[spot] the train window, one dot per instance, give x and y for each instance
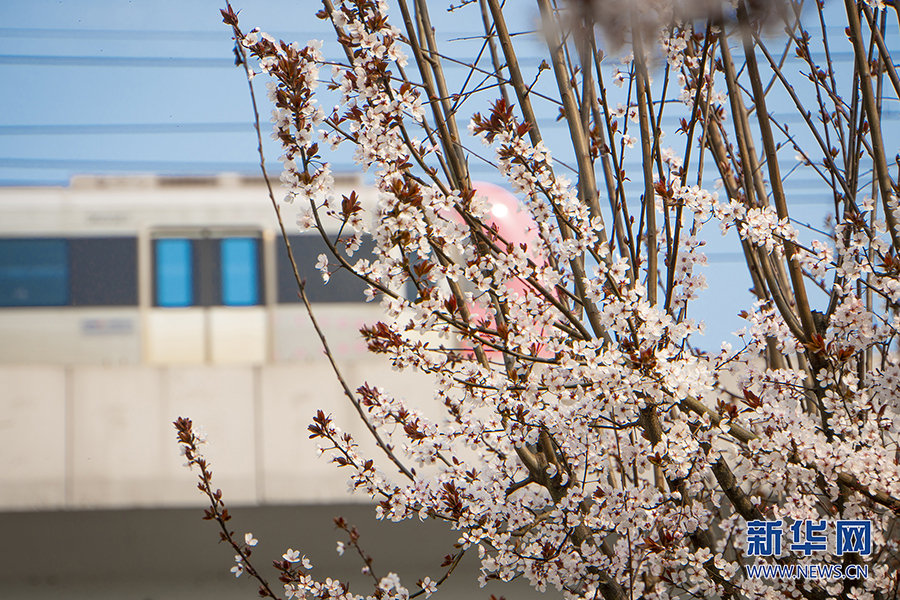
(34, 272)
(207, 271)
(68, 272)
(103, 271)
(240, 275)
(174, 267)
(341, 287)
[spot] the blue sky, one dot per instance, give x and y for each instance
(138, 86)
(123, 86)
(147, 86)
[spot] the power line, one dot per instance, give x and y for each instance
(221, 63)
(154, 35)
(124, 128)
(165, 34)
(115, 61)
(890, 114)
(45, 60)
(144, 166)
(80, 164)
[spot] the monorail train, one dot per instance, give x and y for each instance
(126, 302)
(164, 270)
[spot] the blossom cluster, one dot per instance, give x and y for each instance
(585, 443)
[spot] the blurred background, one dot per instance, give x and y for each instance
(127, 301)
(142, 279)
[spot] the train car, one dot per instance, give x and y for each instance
(164, 270)
(126, 302)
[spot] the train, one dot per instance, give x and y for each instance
(166, 270)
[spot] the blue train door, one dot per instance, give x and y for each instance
(208, 298)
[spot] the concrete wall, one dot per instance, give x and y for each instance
(88, 394)
(95, 502)
(95, 437)
(172, 554)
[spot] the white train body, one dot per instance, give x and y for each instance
(84, 273)
(126, 302)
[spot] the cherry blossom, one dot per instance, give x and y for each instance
(585, 443)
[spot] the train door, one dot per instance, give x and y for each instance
(207, 297)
